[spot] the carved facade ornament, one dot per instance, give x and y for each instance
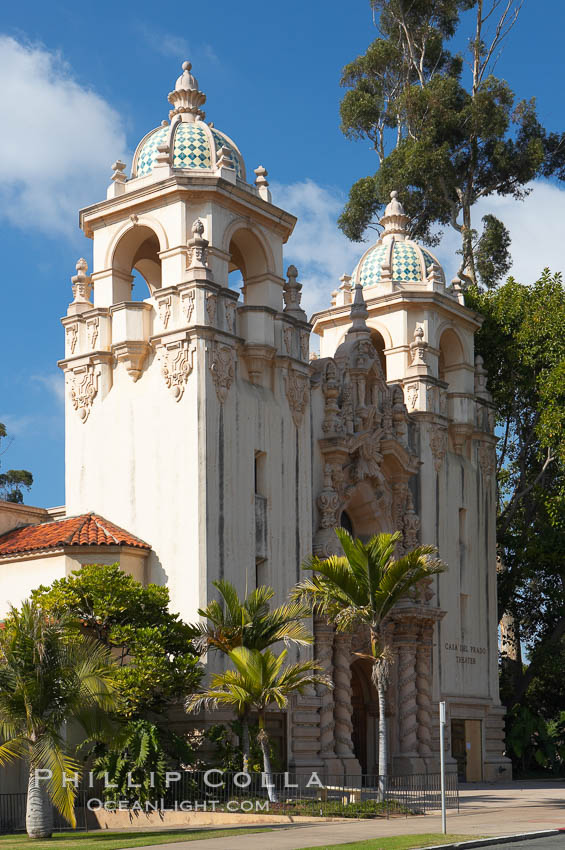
(328, 501)
(92, 330)
(165, 310)
(438, 445)
(83, 385)
(222, 367)
(81, 283)
(297, 390)
(176, 366)
(333, 419)
(292, 294)
(197, 247)
(72, 336)
(211, 302)
(418, 348)
(412, 393)
(305, 345)
(411, 525)
(187, 304)
(287, 337)
(487, 460)
(230, 309)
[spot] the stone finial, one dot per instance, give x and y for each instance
(292, 294)
(198, 246)
(186, 97)
(344, 292)
(118, 169)
(224, 159)
(435, 274)
(81, 283)
(395, 221)
(418, 347)
(262, 183)
(358, 312)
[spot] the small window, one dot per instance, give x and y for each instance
(346, 523)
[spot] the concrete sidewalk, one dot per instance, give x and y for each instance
(485, 810)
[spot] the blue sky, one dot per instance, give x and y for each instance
(80, 84)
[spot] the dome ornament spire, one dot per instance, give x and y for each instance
(395, 221)
(186, 97)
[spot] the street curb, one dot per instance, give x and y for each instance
(500, 839)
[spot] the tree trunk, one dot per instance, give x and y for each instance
(39, 809)
(245, 746)
(263, 739)
(383, 742)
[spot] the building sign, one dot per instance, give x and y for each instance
(467, 653)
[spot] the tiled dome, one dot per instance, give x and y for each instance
(403, 260)
(193, 145)
(410, 262)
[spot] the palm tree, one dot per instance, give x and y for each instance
(361, 588)
(50, 675)
(249, 622)
(258, 681)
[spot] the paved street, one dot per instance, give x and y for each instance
(554, 842)
(485, 810)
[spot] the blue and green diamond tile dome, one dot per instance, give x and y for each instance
(410, 262)
(194, 145)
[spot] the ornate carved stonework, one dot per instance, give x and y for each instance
(297, 391)
(211, 301)
(487, 460)
(176, 365)
(92, 329)
(287, 337)
(407, 697)
(424, 692)
(83, 386)
(324, 636)
(342, 694)
(197, 247)
(438, 445)
(305, 345)
(411, 525)
(165, 310)
(328, 501)
(230, 309)
(412, 393)
(187, 304)
(72, 336)
(418, 348)
(222, 367)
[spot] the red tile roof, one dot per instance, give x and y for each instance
(85, 530)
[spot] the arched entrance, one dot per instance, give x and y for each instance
(364, 715)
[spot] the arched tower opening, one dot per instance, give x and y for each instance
(451, 358)
(379, 345)
(248, 258)
(137, 254)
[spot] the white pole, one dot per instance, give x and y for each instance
(442, 763)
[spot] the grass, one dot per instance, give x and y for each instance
(115, 840)
(399, 842)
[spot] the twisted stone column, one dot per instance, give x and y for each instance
(342, 695)
(324, 637)
(423, 687)
(407, 698)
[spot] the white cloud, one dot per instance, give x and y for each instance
(317, 247)
(54, 383)
(58, 139)
(535, 225)
(322, 253)
(171, 44)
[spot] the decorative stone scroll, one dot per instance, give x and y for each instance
(187, 304)
(222, 367)
(176, 366)
(72, 336)
(165, 310)
(83, 386)
(230, 308)
(297, 391)
(92, 330)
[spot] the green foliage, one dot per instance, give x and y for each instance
(442, 142)
(533, 743)
(157, 662)
(229, 755)
(363, 585)
(14, 481)
(50, 676)
(249, 622)
(139, 756)
(523, 346)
